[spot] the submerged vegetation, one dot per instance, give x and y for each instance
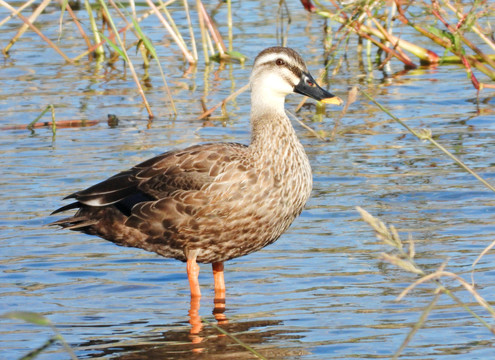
(457, 32)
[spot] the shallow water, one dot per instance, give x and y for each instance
(320, 291)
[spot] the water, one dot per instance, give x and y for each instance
(321, 291)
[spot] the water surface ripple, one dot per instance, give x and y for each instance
(320, 292)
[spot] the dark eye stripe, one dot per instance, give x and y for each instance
(292, 68)
(289, 81)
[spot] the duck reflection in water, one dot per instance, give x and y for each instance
(195, 318)
(173, 341)
(213, 202)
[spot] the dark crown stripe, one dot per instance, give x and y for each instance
(293, 61)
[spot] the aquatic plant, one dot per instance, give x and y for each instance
(119, 40)
(450, 26)
(40, 320)
(375, 23)
(403, 256)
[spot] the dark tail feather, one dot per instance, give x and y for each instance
(74, 205)
(74, 223)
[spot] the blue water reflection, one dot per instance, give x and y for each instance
(320, 292)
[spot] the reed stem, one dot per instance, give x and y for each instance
(426, 134)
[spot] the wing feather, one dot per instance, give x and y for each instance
(158, 177)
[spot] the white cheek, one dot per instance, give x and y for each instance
(277, 84)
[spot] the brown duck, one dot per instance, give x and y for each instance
(214, 202)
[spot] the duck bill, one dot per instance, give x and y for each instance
(308, 87)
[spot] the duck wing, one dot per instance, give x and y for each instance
(158, 177)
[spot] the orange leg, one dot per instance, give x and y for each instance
(192, 274)
(195, 320)
(219, 300)
(218, 278)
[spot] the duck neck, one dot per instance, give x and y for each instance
(276, 150)
(270, 126)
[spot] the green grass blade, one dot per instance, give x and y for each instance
(63, 6)
(417, 325)
(54, 125)
(146, 42)
(34, 353)
(149, 46)
(29, 317)
(124, 54)
(243, 344)
(99, 52)
(114, 46)
(425, 134)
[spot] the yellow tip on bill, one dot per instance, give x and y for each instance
(332, 100)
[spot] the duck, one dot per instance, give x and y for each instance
(213, 202)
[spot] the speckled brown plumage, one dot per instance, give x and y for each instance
(213, 202)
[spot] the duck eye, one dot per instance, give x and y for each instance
(310, 83)
(279, 62)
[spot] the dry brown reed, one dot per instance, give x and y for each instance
(450, 26)
(404, 256)
(108, 33)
